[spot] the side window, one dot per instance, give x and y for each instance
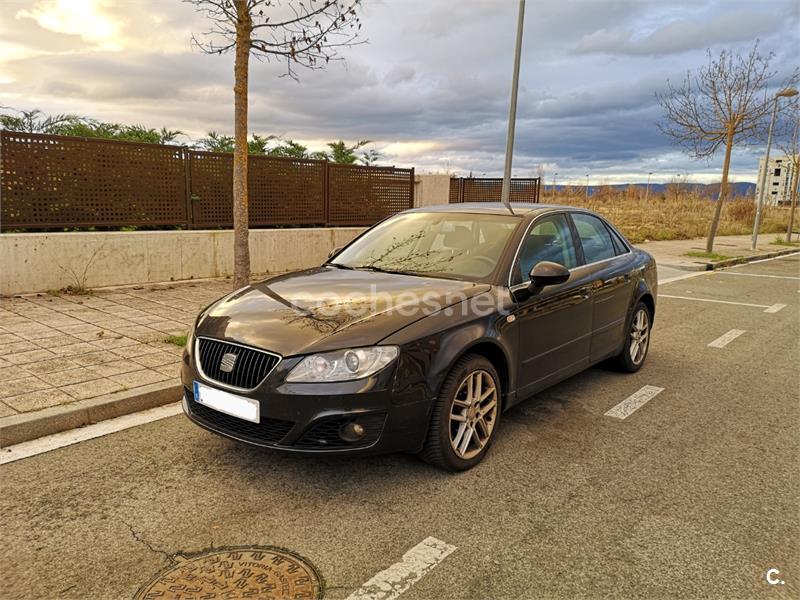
(595, 238)
(619, 246)
(549, 239)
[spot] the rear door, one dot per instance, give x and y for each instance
(608, 263)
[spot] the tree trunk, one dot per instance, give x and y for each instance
(241, 243)
(723, 192)
(795, 182)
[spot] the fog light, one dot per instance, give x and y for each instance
(352, 432)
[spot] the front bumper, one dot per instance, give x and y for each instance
(308, 418)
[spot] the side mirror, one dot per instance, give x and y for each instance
(334, 252)
(548, 273)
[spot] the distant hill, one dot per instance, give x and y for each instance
(738, 189)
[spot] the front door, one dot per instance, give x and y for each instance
(555, 322)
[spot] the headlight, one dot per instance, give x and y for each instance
(343, 365)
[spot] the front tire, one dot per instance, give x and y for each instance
(637, 340)
(465, 417)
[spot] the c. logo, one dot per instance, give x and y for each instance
(772, 577)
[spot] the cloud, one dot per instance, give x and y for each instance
(682, 35)
(430, 88)
(84, 18)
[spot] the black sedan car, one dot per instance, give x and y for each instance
(418, 334)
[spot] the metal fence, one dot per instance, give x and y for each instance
(56, 182)
(472, 189)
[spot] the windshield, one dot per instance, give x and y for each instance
(452, 245)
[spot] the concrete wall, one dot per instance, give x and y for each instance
(36, 262)
(431, 189)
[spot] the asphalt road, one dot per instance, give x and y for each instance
(696, 494)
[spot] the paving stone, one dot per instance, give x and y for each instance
(92, 389)
(72, 349)
(139, 378)
(99, 334)
(79, 375)
(32, 401)
(131, 351)
(80, 328)
(12, 372)
(17, 347)
(113, 343)
(171, 371)
(59, 341)
(94, 358)
(6, 411)
(38, 333)
(50, 366)
(9, 338)
(115, 367)
(156, 359)
(20, 386)
(141, 333)
(22, 358)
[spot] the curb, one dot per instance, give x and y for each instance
(729, 262)
(29, 426)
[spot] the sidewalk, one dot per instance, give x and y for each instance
(62, 353)
(734, 248)
(58, 350)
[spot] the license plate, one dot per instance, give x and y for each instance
(230, 404)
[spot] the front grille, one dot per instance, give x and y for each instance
(325, 434)
(249, 370)
(268, 431)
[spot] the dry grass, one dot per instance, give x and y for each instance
(672, 216)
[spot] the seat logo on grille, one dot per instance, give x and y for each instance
(228, 362)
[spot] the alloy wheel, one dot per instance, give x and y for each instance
(640, 336)
(473, 414)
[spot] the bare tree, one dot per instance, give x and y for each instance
(304, 34)
(722, 103)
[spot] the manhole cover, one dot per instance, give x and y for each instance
(238, 572)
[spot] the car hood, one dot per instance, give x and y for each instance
(327, 308)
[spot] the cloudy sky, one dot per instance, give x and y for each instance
(430, 88)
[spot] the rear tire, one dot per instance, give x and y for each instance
(637, 340)
(465, 416)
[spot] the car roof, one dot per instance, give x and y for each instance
(493, 208)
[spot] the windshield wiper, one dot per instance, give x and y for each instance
(338, 266)
(379, 270)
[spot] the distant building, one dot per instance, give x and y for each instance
(779, 181)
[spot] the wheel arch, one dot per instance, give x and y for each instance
(647, 299)
(495, 354)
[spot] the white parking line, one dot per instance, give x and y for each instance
(682, 277)
(726, 339)
(774, 308)
(756, 275)
(634, 402)
(396, 579)
(74, 436)
(771, 308)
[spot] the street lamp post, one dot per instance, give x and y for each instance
(647, 189)
(505, 195)
(587, 185)
(787, 93)
(555, 174)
